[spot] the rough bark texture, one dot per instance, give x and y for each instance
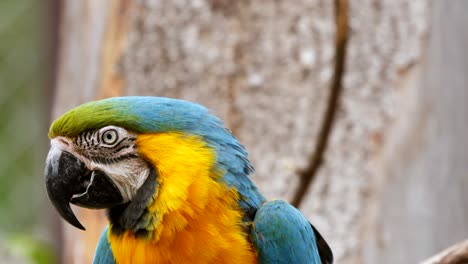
(385, 40)
(264, 67)
(422, 204)
(268, 69)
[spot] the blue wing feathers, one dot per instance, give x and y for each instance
(281, 234)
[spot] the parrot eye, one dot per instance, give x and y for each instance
(110, 136)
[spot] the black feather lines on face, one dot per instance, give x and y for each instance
(89, 145)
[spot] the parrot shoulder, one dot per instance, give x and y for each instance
(281, 234)
(104, 253)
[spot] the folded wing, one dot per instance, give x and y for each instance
(281, 234)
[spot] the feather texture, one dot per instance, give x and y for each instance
(204, 209)
(145, 114)
(103, 253)
(282, 235)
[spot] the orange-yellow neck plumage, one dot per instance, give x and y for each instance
(194, 218)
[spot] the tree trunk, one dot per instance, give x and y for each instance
(422, 204)
(327, 96)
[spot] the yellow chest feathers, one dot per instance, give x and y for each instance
(193, 218)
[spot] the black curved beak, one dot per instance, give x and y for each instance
(69, 180)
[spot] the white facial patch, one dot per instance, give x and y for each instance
(128, 175)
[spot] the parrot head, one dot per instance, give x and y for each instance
(96, 159)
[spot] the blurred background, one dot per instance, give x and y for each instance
(25, 235)
(353, 110)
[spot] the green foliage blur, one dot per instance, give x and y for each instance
(24, 212)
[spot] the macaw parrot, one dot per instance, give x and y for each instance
(175, 185)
